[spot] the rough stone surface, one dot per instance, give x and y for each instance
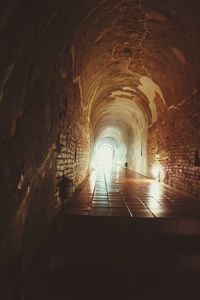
(172, 143)
(30, 42)
(73, 148)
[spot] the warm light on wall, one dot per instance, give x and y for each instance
(157, 156)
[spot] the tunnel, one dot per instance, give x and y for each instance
(79, 78)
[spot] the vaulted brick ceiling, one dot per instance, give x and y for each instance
(129, 60)
(134, 60)
(146, 52)
(128, 49)
(138, 45)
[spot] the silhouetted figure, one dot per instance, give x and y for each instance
(126, 165)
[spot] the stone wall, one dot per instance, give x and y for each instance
(172, 143)
(29, 113)
(33, 34)
(73, 147)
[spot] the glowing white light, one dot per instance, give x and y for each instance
(93, 178)
(106, 155)
(155, 190)
(156, 171)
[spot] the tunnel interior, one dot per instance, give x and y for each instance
(105, 154)
(79, 75)
(122, 121)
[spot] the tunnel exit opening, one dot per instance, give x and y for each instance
(106, 155)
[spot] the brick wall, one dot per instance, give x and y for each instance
(172, 143)
(73, 148)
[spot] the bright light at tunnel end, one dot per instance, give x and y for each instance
(105, 155)
(156, 172)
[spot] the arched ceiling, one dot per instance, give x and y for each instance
(119, 118)
(135, 50)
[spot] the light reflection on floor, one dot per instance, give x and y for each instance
(116, 191)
